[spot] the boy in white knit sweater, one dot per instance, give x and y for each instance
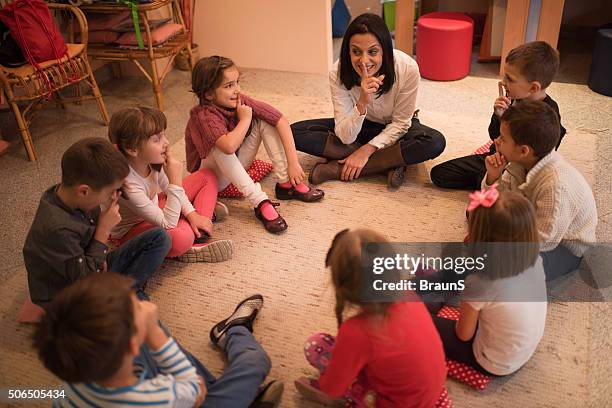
(526, 161)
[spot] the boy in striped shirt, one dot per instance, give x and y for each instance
(110, 349)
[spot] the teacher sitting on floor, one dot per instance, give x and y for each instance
(375, 126)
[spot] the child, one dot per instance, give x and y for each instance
(503, 308)
(224, 133)
(139, 134)
(525, 161)
(528, 72)
(110, 349)
(68, 238)
(392, 349)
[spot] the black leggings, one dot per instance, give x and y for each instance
(462, 173)
(419, 144)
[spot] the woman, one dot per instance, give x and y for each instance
(375, 126)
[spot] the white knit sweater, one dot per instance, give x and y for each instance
(565, 207)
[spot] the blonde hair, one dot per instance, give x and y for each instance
(344, 260)
(510, 220)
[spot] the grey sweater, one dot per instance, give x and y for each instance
(564, 203)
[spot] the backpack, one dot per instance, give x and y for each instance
(34, 29)
(10, 53)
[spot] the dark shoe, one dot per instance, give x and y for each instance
(274, 226)
(269, 396)
(322, 172)
(395, 177)
(314, 194)
(243, 315)
(308, 388)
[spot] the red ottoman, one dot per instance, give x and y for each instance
(444, 45)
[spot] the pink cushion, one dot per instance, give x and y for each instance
(258, 170)
(29, 312)
(459, 371)
(484, 148)
(158, 36)
(444, 401)
(97, 22)
(102, 37)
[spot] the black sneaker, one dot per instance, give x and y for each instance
(269, 396)
(243, 315)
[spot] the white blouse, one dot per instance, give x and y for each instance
(142, 202)
(393, 109)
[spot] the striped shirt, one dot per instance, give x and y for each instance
(176, 386)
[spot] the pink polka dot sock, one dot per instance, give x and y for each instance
(268, 211)
(302, 188)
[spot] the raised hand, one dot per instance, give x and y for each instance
(243, 112)
(495, 165)
(173, 169)
(111, 216)
(369, 86)
(502, 102)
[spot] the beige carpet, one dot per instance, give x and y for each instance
(569, 368)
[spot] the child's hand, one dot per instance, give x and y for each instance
(502, 102)
(369, 86)
(199, 222)
(154, 336)
(173, 169)
(295, 173)
(243, 112)
(203, 391)
(109, 218)
(495, 165)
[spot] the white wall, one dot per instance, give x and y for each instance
(283, 35)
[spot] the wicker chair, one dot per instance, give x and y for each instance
(23, 91)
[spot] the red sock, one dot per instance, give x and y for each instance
(302, 188)
(268, 211)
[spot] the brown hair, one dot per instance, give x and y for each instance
(94, 162)
(535, 124)
(86, 331)
(129, 128)
(510, 222)
(536, 61)
(344, 259)
(207, 75)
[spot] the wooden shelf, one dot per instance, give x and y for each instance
(169, 50)
(112, 8)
